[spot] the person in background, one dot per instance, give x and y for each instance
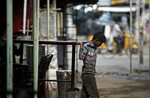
(118, 36)
(88, 54)
(147, 32)
(3, 49)
(124, 23)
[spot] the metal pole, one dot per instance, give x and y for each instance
(55, 15)
(9, 48)
(48, 37)
(61, 24)
(48, 23)
(137, 19)
(76, 74)
(48, 20)
(130, 36)
(138, 27)
(58, 24)
(24, 16)
(149, 41)
(143, 14)
(73, 66)
(73, 70)
(38, 17)
(28, 27)
(35, 48)
(141, 36)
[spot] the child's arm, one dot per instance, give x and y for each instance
(82, 51)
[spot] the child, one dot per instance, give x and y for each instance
(87, 53)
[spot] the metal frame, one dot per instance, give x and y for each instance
(73, 43)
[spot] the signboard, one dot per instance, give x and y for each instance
(146, 1)
(119, 1)
(104, 2)
(127, 1)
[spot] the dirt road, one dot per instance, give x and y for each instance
(113, 87)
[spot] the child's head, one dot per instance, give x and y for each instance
(98, 39)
